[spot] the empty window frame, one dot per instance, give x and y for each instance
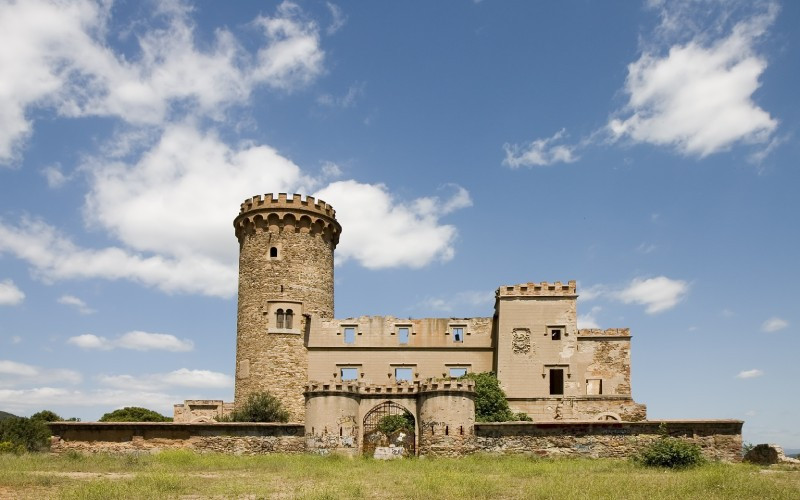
(349, 334)
(458, 371)
(402, 334)
(556, 381)
(458, 334)
(279, 318)
(404, 373)
(273, 253)
(348, 373)
(288, 319)
(555, 332)
(594, 387)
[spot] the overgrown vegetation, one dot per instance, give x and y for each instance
(670, 452)
(183, 474)
(259, 407)
(20, 434)
(4, 415)
(491, 404)
(134, 414)
(391, 423)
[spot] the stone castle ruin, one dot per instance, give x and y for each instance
(340, 378)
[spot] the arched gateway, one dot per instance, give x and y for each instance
(391, 427)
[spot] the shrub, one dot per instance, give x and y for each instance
(259, 407)
(490, 400)
(134, 414)
(670, 452)
(46, 416)
(9, 447)
(24, 433)
(392, 423)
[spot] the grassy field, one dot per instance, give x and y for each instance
(182, 474)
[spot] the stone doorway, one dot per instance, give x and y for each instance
(389, 431)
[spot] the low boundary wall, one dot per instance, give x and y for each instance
(718, 439)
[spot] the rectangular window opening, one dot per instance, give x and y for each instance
(349, 335)
(458, 334)
(402, 334)
(404, 374)
(457, 371)
(555, 333)
(556, 381)
(349, 373)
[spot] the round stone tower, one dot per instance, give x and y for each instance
(285, 278)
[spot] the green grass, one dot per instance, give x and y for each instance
(183, 474)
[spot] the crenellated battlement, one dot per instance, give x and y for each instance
(608, 332)
(429, 385)
(271, 213)
(269, 201)
(543, 289)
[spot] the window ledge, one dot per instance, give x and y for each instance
(284, 331)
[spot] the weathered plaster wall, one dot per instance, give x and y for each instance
(583, 408)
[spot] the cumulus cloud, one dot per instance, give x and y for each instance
(55, 55)
(135, 340)
(20, 401)
(750, 373)
(589, 319)
(697, 97)
(383, 232)
(10, 295)
(540, 152)
(656, 294)
(80, 305)
(182, 377)
(15, 374)
(774, 324)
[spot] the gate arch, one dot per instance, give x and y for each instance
(375, 437)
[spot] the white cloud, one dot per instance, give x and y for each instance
(345, 101)
(467, 299)
(20, 401)
(589, 319)
(697, 97)
(382, 232)
(10, 295)
(182, 377)
(77, 303)
(539, 152)
(55, 56)
(750, 373)
(338, 19)
(657, 294)
(15, 374)
(135, 340)
(592, 292)
(54, 176)
(646, 248)
(774, 324)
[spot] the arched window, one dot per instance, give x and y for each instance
(273, 252)
(279, 318)
(288, 322)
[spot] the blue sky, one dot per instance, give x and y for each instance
(646, 150)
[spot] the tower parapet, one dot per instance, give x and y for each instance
(301, 215)
(543, 289)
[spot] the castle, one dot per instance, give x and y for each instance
(340, 376)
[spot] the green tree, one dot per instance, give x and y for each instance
(391, 423)
(490, 400)
(24, 434)
(259, 407)
(134, 414)
(46, 416)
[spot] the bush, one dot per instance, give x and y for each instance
(46, 416)
(24, 434)
(259, 407)
(9, 447)
(392, 423)
(134, 414)
(490, 400)
(670, 452)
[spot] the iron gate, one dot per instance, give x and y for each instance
(374, 437)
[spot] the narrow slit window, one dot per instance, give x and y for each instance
(402, 334)
(349, 335)
(403, 374)
(349, 373)
(556, 381)
(273, 252)
(288, 320)
(279, 318)
(458, 334)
